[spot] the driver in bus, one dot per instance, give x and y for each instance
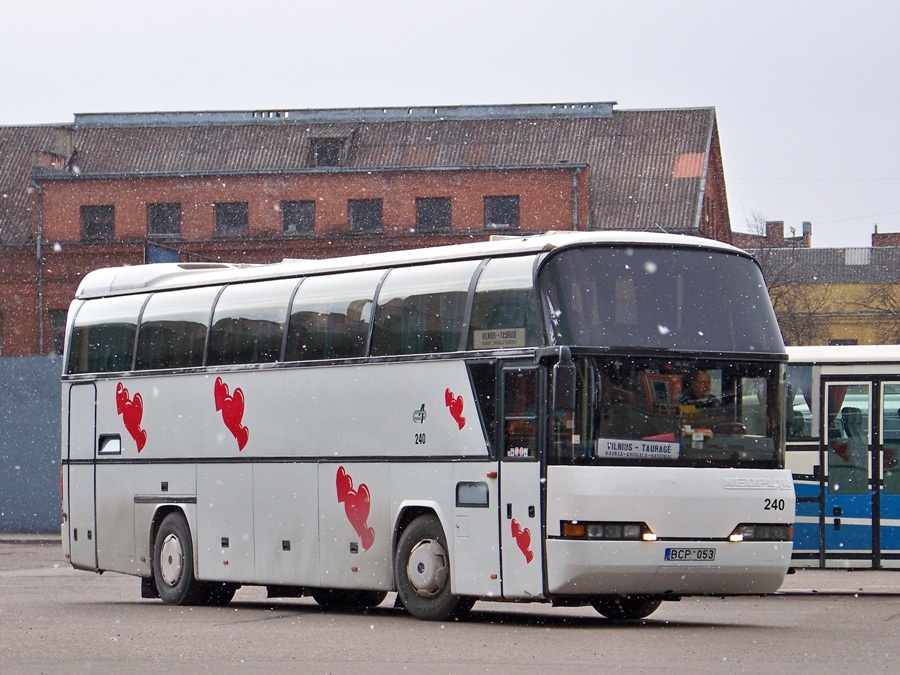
(698, 391)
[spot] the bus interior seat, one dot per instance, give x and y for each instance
(852, 419)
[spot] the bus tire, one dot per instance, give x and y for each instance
(173, 563)
(340, 598)
(422, 572)
(626, 607)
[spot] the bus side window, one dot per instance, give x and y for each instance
(248, 323)
(484, 383)
(520, 413)
(331, 315)
(103, 335)
(173, 329)
(506, 312)
(421, 310)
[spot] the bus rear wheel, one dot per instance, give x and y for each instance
(627, 607)
(422, 572)
(173, 564)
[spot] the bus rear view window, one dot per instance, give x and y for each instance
(103, 335)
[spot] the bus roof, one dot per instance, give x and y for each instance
(158, 276)
(844, 354)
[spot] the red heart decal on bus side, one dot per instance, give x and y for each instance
(357, 504)
(455, 406)
(232, 408)
(132, 412)
(523, 539)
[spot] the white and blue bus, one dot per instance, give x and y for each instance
(506, 420)
(843, 446)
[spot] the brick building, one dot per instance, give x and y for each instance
(885, 238)
(252, 187)
(773, 237)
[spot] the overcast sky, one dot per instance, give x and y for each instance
(806, 93)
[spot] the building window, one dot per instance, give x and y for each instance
(98, 222)
(298, 217)
(433, 214)
(501, 213)
(58, 329)
(154, 253)
(326, 151)
(365, 215)
(231, 219)
(164, 220)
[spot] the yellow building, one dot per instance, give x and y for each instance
(828, 296)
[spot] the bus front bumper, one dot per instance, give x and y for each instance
(583, 567)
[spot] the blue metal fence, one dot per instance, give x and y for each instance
(29, 444)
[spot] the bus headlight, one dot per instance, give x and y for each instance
(768, 532)
(574, 529)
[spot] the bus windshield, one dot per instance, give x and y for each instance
(664, 298)
(671, 412)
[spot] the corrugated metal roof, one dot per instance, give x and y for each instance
(20, 149)
(632, 155)
(347, 115)
(877, 265)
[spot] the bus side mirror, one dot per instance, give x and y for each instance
(564, 376)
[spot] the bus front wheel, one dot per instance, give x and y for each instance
(627, 607)
(422, 572)
(173, 563)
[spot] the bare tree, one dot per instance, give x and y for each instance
(798, 306)
(883, 301)
(800, 309)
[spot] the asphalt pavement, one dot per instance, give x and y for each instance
(802, 581)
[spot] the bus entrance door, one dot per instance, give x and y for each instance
(889, 465)
(521, 533)
(80, 510)
(848, 493)
(862, 491)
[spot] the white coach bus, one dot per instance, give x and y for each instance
(507, 420)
